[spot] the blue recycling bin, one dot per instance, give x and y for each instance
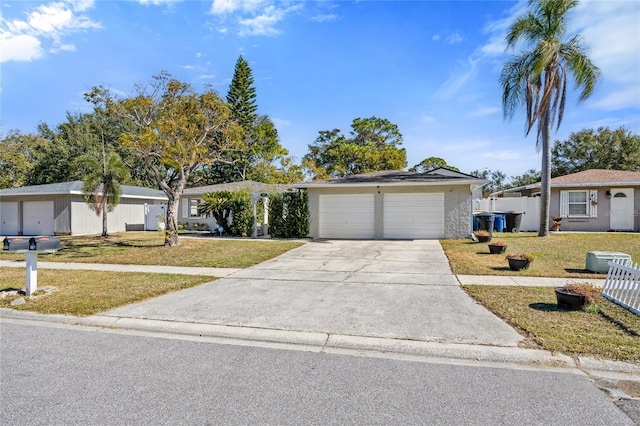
(475, 223)
(499, 222)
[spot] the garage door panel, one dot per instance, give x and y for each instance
(416, 215)
(37, 218)
(8, 218)
(346, 216)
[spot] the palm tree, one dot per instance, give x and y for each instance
(101, 186)
(537, 77)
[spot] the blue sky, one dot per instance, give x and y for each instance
(431, 67)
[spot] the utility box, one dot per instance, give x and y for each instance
(44, 243)
(15, 244)
(597, 260)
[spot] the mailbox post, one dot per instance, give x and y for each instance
(31, 247)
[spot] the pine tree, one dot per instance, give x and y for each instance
(242, 95)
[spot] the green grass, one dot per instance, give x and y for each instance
(90, 292)
(147, 248)
(610, 333)
(560, 255)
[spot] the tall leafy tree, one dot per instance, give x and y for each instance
(537, 77)
(430, 164)
(496, 180)
(18, 155)
(374, 145)
(597, 149)
(242, 95)
(527, 178)
(174, 131)
(102, 183)
(261, 158)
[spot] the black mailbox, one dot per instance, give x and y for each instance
(44, 243)
(15, 243)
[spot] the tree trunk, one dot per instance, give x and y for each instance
(545, 185)
(171, 230)
(104, 221)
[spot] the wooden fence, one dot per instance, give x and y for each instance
(622, 285)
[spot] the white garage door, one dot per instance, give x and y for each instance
(346, 216)
(37, 218)
(414, 215)
(9, 218)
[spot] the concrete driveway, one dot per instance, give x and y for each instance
(390, 289)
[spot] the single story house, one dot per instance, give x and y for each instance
(60, 209)
(392, 205)
(192, 197)
(592, 200)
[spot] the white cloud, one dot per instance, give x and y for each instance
(436, 37)
(325, 18)
(502, 156)
(252, 17)
(427, 119)
(20, 48)
(484, 111)
(280, 123)
(22, 40)
(458, 78)
(221, 7)
(454, 38)
(611, 31)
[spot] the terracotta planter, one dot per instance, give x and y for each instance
(518, 264)
(569, 300)
(494, 249)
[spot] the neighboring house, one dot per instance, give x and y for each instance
(392, 205)
(591, 200)
(59, 209)
(192, 197)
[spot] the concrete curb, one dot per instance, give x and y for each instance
(342, 344)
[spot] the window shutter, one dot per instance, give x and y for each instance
(185, 208)
(564, 203)
(593, 205)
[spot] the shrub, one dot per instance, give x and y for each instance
(481, 233)
(223, 205)
(588, 290)
(289, 215)
(501, 243)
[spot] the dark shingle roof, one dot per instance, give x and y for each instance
(75, 187)
(440, 175)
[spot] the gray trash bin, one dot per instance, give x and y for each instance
(514, 221)
(485, 222)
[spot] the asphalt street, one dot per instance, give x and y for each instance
(69, 375)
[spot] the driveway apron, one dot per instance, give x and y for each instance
(390, 289)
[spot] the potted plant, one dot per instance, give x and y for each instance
(557, 221)
(576, 296)
(497, 246)
(482, 236)
(519, 261)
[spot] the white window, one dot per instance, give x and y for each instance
(579, 203)
(193, 207)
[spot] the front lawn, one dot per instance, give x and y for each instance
(610, 332)
(559, 255)
(90, 292)
(147, 248)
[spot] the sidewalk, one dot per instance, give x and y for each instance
(501, 280)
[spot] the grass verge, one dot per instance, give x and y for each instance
(83, 293)
(610, 333)
(147, 248)
(559, 255)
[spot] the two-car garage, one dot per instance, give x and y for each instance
(404, 216)
(392, 205)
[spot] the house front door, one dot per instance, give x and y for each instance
(621, 212)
